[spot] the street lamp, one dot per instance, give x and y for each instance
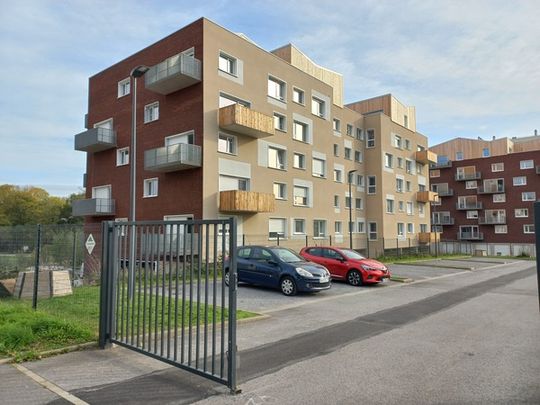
(349, 176)
(137, 72)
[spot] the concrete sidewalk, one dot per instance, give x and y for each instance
(119, 375)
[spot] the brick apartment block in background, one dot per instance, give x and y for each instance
(226, 128)
(487, 190)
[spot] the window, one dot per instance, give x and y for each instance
(497, 167)
(501, 229)
(359, 134)
(397, 141)
(358, 156)
(300, 131)
(410, 210)
(280, 122)
(300, 196)
(227, 64)
(419, 168)
(299, 161)
(401, 206)
(370, 138)
(338, 175)
(227, 100)
(349, 130)
(389, 206)
(388, 160)
(276, 88)
(150, 187)
(471, 184)
(299, 226)
(280, 191)
(499, 198)
(399, 185)
(529, 228)
(319, 228)
(400, 162)
(336, 150)
(348, 153)
(338, 227)
(336, 201)
(359, 180)
(336, 125)
(123, 87)
(233, 183)
(521, 212)
(358, 204)
(528, 196)
(318, 167)
(526, 164)
(434, 173)
(459, 155)
(408, 186)
(520, 181)
(410, 228)
(472, 214)
(151, 112)
(421, 208)
(485, 152)
(408, 166)
(372, 184)
(298, 96)
(407, 144)
(277, 227)
(372, 226)
(227, 144)
(360, 227)
(317, 107)
(122, 157)
(276, 158)
(400, 229)
(348, 202)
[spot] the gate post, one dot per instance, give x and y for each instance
(233, 286)
(106, 287)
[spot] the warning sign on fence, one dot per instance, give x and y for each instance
(90, 244)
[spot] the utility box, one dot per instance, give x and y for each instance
(480, 252)
(50, 284)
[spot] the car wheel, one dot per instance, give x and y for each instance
(354, 278)
(287, 286)
(226, 277)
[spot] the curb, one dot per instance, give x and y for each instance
(399, 279)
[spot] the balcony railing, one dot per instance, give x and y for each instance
(470, 236)
(468, 176)
(93, 207)
(445, 193)
(95, 140)
(494, 189)
(492, 220)
(246, 201)
(469, 206)
(426, 156)
(442, 165)
(181, 156)
(244, 120)
(428, 237)
(426, 196)
(173, 74)
(442, 221)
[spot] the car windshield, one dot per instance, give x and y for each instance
(287, 256)
(351, 254)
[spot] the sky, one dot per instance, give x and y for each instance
(471, 68)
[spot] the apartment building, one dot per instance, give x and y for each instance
(487, 200)
(226, 128)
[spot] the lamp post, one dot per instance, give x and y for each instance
(349, 175)
(137, 72)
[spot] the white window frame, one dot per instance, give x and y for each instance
(231, 66)
(398, 142)
(122, 156)
(338, 227)
(370, 138)
(301, 99)
(303, 135)
(521, 212)
(497, 167)
(471, 184)
(336, 125)
(358, 158)
(500, 229)
(349, 130)
(280, 122)
(359, 134)
(299, 221)
(473, 214)
(317, 224)
(315, 161)
(282, 190)
(526, 164)
(301, 159)
(499, 198)
(296, 201)
(283, 226)
(400, 229)
(372, 188)
(124, 87)
(528, 228)
(347, 153)
(388, 160)
(519, 181)
(226, 139)
(151, 112)
(150, 192)
(277, 88)
(279, 164)
(338, 175)
(526, 193)
(318, 107)
(372, 233)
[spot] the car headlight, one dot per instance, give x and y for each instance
(304, 273)
(366, 267)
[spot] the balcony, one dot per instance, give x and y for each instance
(442, 221)
(468, 176)
(470, 236)
(426, 196)
(93, 207)
(173, 74)
(469, 206)
(425, 157)
(428, 237)
(246, 201)
(244, 120)
(181, 156)
(95, 140)
(442, 165)
(445, 193)
(491, 189)
(492, 220)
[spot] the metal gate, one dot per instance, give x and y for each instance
(163, 293)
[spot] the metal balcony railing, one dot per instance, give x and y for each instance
(469, 206)
(491, 220)
(442, 221)
(491, 189)
(95, 140)
(93, 207)
(173, 74)
(445, 193)
(468, 176)
(171, 158)
(470, 236)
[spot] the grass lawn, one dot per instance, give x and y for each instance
(74, 319)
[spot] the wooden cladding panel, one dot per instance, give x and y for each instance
(246, 201)
(428, 237)
(244, 120)
(426, 156)
(426, 196)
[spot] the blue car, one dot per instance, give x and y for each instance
(277, 267)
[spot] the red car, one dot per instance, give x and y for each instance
(347, 264)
